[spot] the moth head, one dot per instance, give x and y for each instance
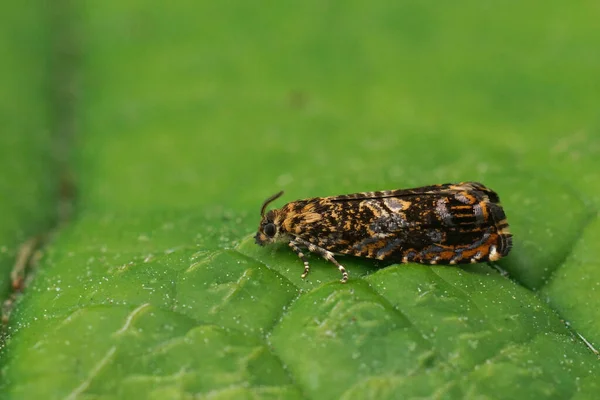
(268, 230)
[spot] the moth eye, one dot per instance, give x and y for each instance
(270, 230)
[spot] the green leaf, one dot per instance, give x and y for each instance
(28, 178)
(190, 114)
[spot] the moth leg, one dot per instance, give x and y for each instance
(500, 270)
(325, 254)
(300, 254)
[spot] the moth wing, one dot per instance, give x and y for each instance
(439, 220)
(433, 190)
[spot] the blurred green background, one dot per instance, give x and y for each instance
(165, 125)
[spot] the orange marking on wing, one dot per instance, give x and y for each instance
(311, 217)
(484, 210)
(470, 197)
(447, 255)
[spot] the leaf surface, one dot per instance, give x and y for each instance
(191, 114)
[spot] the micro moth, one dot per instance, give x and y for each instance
(439, 224)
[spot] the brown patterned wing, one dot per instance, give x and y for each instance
(440, 224)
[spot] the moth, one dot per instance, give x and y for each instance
(439, 224)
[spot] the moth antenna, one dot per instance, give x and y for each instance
(269, 200)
